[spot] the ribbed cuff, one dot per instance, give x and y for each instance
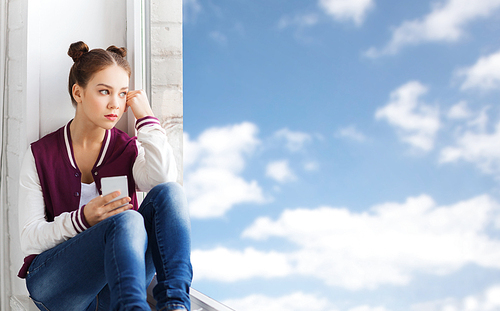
(147, 121)
(78, 219)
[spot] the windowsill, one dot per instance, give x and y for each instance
(22, 303)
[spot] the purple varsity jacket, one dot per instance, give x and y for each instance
(60, 178)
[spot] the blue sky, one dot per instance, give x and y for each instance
(343, 155)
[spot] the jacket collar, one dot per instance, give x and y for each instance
(69, 146)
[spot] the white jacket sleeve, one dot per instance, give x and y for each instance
(38, 234)
(155, 162)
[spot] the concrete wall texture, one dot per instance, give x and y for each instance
(24, 121)
(166, 71)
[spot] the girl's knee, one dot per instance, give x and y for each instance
(170, 189)
(170, 193)
(129, 217)
(128, 234)
(129, 221)
(170, 196)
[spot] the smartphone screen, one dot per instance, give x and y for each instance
(112, 184)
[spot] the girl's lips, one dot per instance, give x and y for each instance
(111, 117)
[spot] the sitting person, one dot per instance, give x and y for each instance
(84, 250)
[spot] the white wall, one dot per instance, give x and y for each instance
(166, 72)
(60, 23)
(4, 268)
(14, 141)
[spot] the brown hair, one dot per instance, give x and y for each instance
(87, 63)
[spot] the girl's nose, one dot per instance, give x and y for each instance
(114, 103)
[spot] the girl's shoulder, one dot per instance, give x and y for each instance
(120, 136)
(51, 138)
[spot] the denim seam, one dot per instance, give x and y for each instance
(160, 242)
(118, 276)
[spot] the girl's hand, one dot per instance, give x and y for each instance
(138, 102)
(100, 208)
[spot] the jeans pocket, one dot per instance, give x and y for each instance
(39, 305)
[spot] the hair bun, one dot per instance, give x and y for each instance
(120, 51)
(77, 49)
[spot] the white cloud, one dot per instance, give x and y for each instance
(212, 167)
(212, 192)
(483, 75)
(480, 121)
(311, 166)
(297, 301)
(293, 302)
(388, 244)
(232, 265)
(368, 308)
(280, 171)
(218, 37)
(347, 10)
(190, 10)
(295, 140)
(351, 132)
(445, 23)
(459, 111)
(489, 300)
(416, 122)
(478, 147)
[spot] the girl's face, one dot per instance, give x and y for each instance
(103, 100)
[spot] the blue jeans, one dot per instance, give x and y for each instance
(109, 266)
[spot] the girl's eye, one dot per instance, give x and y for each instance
(123, 94)
(104, 92)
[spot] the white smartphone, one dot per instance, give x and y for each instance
(112, 184)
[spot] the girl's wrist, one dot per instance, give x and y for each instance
(142, 112)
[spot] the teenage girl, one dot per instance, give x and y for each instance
(83, 250)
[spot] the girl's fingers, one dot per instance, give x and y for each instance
(119, 210)
(101, 207)
(115, 204)
(133, 94)
(105, 199)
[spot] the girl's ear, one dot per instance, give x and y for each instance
(77, 93)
